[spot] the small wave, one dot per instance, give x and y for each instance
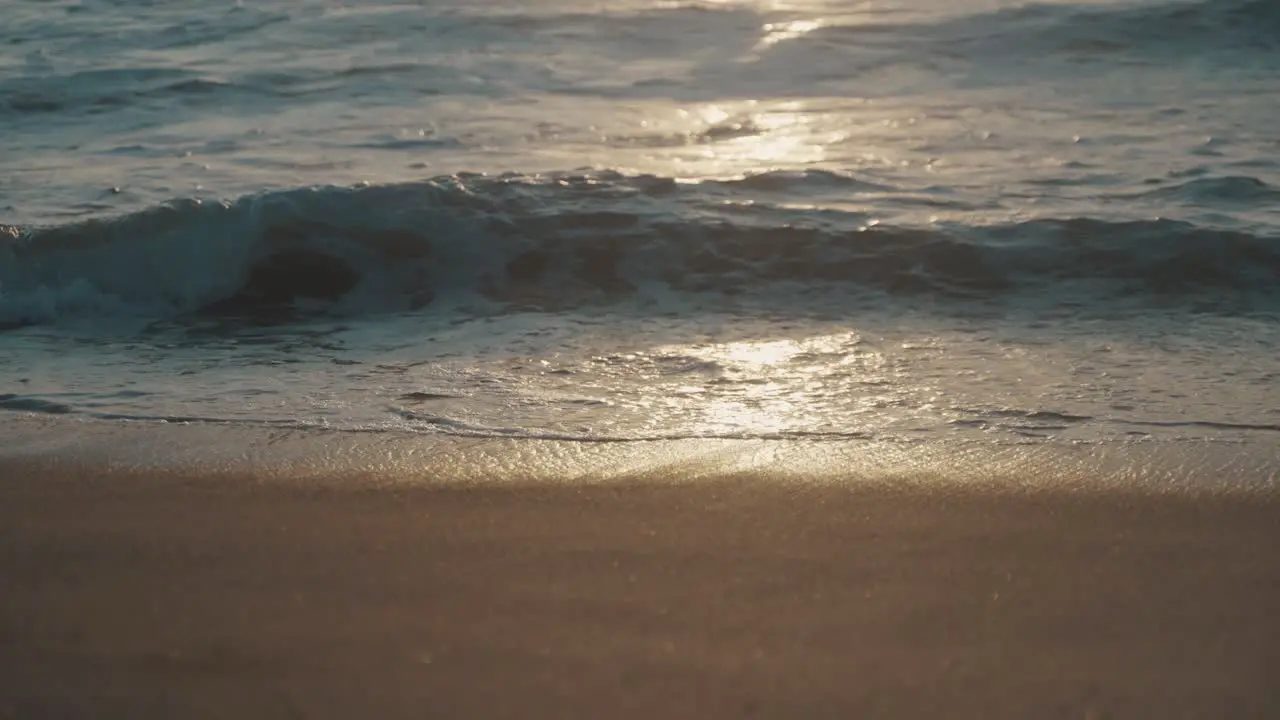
(19, 403)
(100, 90)
(1210, 424)
(423, 396)
(1164, 29)
(401, 144)
(424, 423)
(781, 181)
(1153, 33)
(1032, 415)
(1035, 420)
(563, 240)
(1233, 190)
(458, 428)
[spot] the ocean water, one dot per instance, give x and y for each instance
(901, 235)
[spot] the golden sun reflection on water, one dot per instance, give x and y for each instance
(764, 356)
(728, 140)
(775, 33)
(757, 355)
(774, 386)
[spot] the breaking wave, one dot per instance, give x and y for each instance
(559, 241)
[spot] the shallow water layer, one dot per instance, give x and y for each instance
(647, 375)
(988, 222)
(46, 449)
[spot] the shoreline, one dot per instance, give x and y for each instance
(155, 595)
(226, 453)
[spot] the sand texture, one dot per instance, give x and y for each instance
(159, 598)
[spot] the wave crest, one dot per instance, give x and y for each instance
(559, 241)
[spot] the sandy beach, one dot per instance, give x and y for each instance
(158, 597)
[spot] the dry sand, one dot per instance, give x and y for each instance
(166, 598)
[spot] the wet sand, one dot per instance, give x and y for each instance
(165, 597)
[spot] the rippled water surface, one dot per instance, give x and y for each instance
(1006, 222)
